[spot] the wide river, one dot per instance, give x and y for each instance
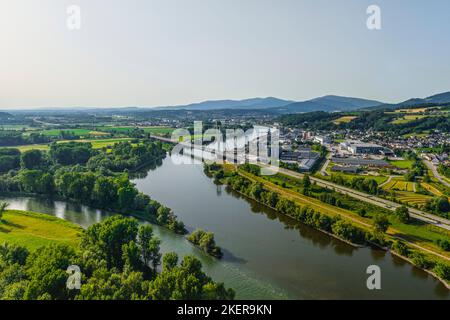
(267, 256)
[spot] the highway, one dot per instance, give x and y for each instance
(436, 173)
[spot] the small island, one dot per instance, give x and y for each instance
(205, 241)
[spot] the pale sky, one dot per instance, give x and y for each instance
(169, 52)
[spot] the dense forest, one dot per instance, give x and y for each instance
(118, 260)
(98, 178)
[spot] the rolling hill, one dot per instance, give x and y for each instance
(437, 98)
(329, 103)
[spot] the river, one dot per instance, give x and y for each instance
(267, 255)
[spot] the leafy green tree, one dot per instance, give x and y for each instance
(46, 269)
(3, 207)
(170, 261)
(109, 238)
(442, 270)
(402, 214)
(362, 212)
(381, 223)
(32, 159)
(306, 181)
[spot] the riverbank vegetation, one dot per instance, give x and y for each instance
(98, 178)
(118, 260)
(337, 214)
(205, 241)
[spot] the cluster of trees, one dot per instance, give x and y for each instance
(418, 169)
(367, 185)
(402, 214)
(118, 260)
(3, 207)
(126, 156)
(205, 241)
(15, 137)
(9, 159)
(438, 206)
(71, 153)
(444, 170)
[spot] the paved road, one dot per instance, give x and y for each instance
(383, 203)
(323, 171)
(436, 173)
(386, 182)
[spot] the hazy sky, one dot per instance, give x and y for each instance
(167, 52)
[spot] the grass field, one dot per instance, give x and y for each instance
(33, 230)
(125, 130)
(344, 119)
(77, 132)
(402, 164)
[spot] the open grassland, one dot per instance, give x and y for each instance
(344, 119)
(402, 164)
(33, 230)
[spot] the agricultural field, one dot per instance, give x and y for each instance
(18, 127)
(414, 110)
(128, 129)
(408, 118)
(77, 132)
(34, 230)
(400, 185)
(412, 199)
(344, 119)
(432, 189)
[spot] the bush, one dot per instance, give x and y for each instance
(442, 270)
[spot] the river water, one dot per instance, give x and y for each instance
(267, 256)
